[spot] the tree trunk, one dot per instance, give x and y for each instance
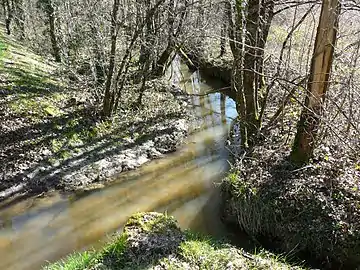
(318, 83)
(107, 108)
(223, 31)
(50, 13)
(147, 34)
(19, 17)
(163, 60)
(223, 39)
(8, 15)
(253, 21)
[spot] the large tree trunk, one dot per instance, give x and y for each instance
(318, 83)
(253, 21)
(223, 38)
(147, 34)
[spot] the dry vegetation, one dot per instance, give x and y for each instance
(311, 209)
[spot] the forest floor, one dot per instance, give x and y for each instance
(51, 136)
(154, 241)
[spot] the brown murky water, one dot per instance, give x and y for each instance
(39, 230)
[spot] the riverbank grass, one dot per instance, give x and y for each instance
(154, 241)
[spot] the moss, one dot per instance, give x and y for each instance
(148, 243)
(155, 223)
(35, 108)
(65, 154)
(278, 34)
(57, 145)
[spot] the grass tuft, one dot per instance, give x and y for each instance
(137, 248)
(77, 261)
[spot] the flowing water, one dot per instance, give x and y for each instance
(38, 230)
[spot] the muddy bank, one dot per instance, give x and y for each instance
(72, 160)
(53, 138)
(155, 241)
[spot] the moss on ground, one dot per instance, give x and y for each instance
(154, 241)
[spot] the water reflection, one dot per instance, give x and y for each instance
(39, 230)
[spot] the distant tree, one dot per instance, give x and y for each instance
(174, 31)
(48, 8)
(19, 17)
(8, 12)
(318, 82)
(114, 87)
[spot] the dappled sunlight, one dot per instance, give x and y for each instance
(182, 184)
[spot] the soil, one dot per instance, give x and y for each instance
(52, 137)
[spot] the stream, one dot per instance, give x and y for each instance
(41, 230)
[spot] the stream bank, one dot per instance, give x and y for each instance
(311, 212)
(155, 241)
(219, 68)
(89, 217)
(51, 136)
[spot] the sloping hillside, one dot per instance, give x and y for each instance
(52, 136)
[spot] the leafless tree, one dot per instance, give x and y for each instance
(318, 83)
(248, 38)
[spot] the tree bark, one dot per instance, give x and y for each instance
(8, 10)
(50, 13)
(223, 33)
(19, 17)
(172, 36)
(253, 21)
(107, 110)
(308, 125)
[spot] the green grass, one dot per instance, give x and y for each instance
(3, 49)
(74, 262)
(28, 79)
(208, 253)
(195, 252)
(113, 252)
